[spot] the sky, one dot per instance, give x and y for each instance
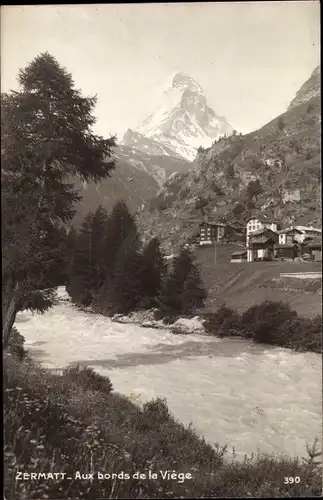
(250, 58)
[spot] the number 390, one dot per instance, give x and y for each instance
(292, 480)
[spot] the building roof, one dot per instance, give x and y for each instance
(261, 231)
(262, 239)
(308, 228)
(289, 230)
(285, 246)
(241, 252)
(262, 217)
(212, 223)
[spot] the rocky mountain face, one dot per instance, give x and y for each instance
(275, 170)
(181, 123)
(138, 177)
(309, 90)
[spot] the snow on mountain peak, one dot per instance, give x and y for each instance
(182, 121)
(184, 80)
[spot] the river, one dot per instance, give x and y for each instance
(253, 397)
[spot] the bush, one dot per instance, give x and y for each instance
(225, 321)
(281, 124)
(264, 321)
(270, 323)
(157, 410)
(201, 203)
(87, 378)
(16, 344)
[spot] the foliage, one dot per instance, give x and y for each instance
(230, 171)
(265, 320)
(46, 139)
(16, 344)
(153, 270)
(254, 189)
(270, 323)
(88, 379)
(53, 423)
(110, 270)
(201, 203)
(183, 291)
(281, 123)
(225, 321)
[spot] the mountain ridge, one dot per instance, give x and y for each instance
(283, 156)
(182, 122)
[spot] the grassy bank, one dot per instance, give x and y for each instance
(75, 422)
(240, 286)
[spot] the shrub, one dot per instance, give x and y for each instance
(16, 344)
(225, 321)
(300, 334)
(264, 321)
(281, 124)
(157, 410)
(200, 203)
(310, 108)
(87, 378)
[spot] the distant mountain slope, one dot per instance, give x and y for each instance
(284, 156)
(181, 123)
(137, 178)
(309, 90)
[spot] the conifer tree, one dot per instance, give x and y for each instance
(120, 230)
(81, 273)
(47, 139)
(194, 293)
(122, 289)
(183, 291)
(153, 269)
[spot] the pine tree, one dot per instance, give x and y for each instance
(47, 139)
(194, 293)
(183, 291)
(122, 289)
(254, 189)
(119, 229)
(153, 270)
(81, 272)
(98, 230)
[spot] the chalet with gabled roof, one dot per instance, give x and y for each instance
(261, 244)
(260, 222)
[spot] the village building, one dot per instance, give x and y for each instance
(211, 232)
(258, 222)
(261, 244)
(314, 249)
(240, 256)
(214, 231)
(286, 251)
(289, 236)
(288, 246)
(308, 232)
(255, 226)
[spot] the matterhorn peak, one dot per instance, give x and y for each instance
(182, 122)
(184, 80)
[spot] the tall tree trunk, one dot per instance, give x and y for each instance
(10, 315)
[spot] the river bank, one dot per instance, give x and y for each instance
(218, 384)
(91, 442)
